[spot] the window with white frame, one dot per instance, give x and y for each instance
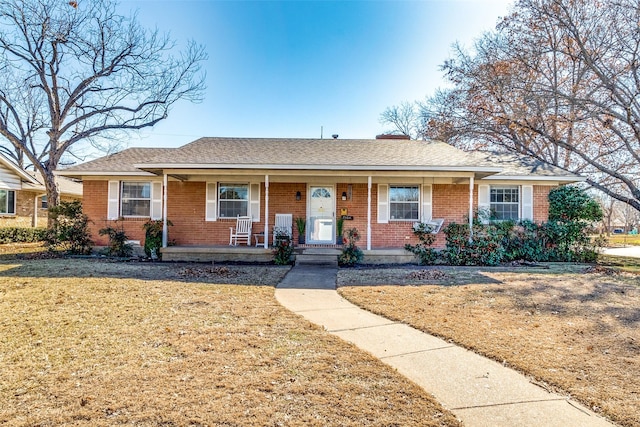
(505, 203)
(7, 202)
(233, 200)
(135, 199)
(404, 202)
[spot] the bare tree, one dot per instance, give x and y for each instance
(558, 80)
(405, 119)
(78, 73)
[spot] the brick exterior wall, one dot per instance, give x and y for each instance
(186, 210)
(95, 206)
(25, 202)
(541, 202)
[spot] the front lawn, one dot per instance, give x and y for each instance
(98, 344)
(574, 329)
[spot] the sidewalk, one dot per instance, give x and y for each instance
(630, 251)
(477, 390)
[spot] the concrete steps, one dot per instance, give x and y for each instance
(318, 256)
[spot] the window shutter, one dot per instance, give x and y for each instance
(254, 202)
(113, 204)
(383, 203)
(527, 202)
(156, 200)
(212, 202)
(427, 214)
(484, 203)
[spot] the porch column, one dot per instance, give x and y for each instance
(266, 211)
(471, 208)
(369, 213)
(165, 226)
(34, 217)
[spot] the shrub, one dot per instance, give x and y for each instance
(569, 203)
(22, 235)
(351, 254)
(423, 250)
(153, 237)
(118, 245)
(283, 249)
(70, 230)
(485, 249)
(527, 241)
(571, 212)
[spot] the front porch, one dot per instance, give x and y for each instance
(252, 254)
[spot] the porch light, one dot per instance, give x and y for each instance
(298, 196)
(344, 195)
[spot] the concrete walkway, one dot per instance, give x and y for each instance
(630, 251)
(477, 390)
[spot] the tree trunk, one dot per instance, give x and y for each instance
(53, 196)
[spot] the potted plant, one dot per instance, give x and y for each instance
(301, 225)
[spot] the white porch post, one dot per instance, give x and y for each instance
(369, 213)
(266, 211)
(34, 217)
(165, 226)
(471, 184)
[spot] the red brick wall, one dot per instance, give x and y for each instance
(94, 204)
(186, 210)
(541, 202)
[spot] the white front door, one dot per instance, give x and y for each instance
(320, 224)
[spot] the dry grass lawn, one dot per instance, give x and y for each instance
(615, 240)
(91, 343)
(573, 329)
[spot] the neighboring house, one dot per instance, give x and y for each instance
(381, 187)
(23, 196)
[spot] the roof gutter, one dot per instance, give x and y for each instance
(576, 178)
(149, 166)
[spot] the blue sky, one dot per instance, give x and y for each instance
(286, 68)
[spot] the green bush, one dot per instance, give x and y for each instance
(423, 251)
(563, 238)
(153, 237)
(283, 249)
(70, 230)
(118, 245)
(527, 241)
(484, 249)
(571, 213)
(22, 235)
(351, 254)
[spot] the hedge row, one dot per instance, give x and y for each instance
(22, 235)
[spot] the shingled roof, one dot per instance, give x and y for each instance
(314, 154)
(120, 163)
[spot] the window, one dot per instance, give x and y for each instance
(43, 202)
(505, 203)
(404, 202)
(233, 200)
(136, 199)
(7, 202)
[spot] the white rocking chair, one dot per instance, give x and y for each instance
(241, 232)
(284, 223)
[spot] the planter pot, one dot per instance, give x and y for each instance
(301, 240)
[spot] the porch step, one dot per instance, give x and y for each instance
(318, 256)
